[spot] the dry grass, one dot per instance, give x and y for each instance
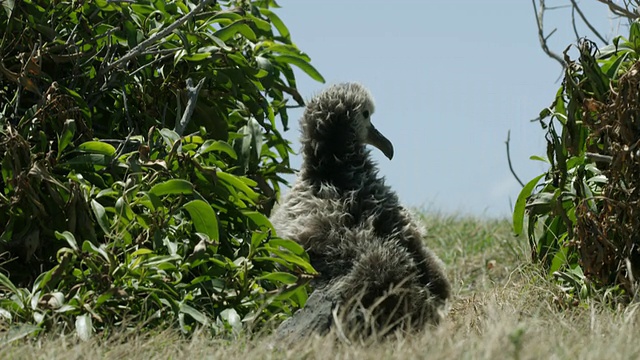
(501, 309)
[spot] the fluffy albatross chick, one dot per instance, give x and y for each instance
(376, 274)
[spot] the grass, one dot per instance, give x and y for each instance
(503, 308)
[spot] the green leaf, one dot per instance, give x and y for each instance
(282, 277)
(298, 295)
(611, 67)
(560, 258)
(259, 23)
(69, 238)
(217, 145)
(225, 17)
(239, 26)
(265, 65)
(41, 281)
(539, 158)
(204, 218)
(544, 113)
(89, 248)
(101, 216)
(68, 131)
(290, 245)
(257, 238)
(237, 183)
(105, 5)
(177, 57)
(7, 284)
(518, 210)
(634, 35)
(97, 147)
(8, 6)
(277, 22)
(142, 251)
(84, 327)
(259, 220)
(18, 332)
(66, 308)
(302, 64)
(284, 49)
(195, 314)
(560, 109)
(124, 210)
(169, 136)
(253, 126)
(292, 259)
(79, 100)
(35, 299)
(231, 317)
(540, 203)
(172, 187)
(161, 259)
(149, 200)
(88, 159)
(197, 56)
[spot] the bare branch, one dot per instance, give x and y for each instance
(619, 10)
(155, 37)
(586, 21)
(541, 36)
(557, 7)
(606, 159)
(509, 159)
(551, 33)
(573, 23)
(155, 61)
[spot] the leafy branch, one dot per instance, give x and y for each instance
(136, 51)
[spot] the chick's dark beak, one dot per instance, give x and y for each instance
(378, 140)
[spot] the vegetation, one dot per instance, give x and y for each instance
(140, 157)
(141, 154)
(503, 307)
(583, 221)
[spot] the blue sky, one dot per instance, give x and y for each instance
(450, 78)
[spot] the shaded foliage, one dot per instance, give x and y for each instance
(583, 222)
(141, 156)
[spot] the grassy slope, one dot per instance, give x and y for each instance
(501, 309)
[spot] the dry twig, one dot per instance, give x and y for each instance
(509, 159)
(541, 36)
(586, 21)
(619, 10)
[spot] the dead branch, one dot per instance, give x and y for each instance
(605, 159)
(509, 159)
(541, 36)
(619, 10)
(573, 24)
(577, 9)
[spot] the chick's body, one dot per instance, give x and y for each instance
(367, 248)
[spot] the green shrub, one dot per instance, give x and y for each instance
(582, 214)
(140, 159)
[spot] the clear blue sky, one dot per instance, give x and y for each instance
(450, 78)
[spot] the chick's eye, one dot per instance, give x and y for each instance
(365, 114)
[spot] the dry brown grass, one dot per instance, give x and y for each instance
(502, 308)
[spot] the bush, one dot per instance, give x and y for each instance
(583, 221)
(140, 160)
